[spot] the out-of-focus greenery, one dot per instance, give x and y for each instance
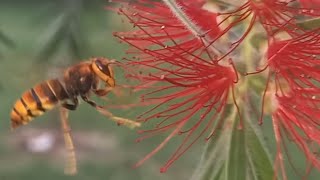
(37, 40)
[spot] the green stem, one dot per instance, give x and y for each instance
(193, 28)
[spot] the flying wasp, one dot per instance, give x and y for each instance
(78, 81)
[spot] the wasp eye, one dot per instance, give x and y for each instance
(103, 67)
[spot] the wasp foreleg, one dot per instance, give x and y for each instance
(92, 103)
(119, 120)
(101, 92)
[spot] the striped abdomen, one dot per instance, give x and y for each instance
(36, 101)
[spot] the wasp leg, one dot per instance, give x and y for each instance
(71, 164)
(92, 103)
(71, 106)
(99, 92)
(119, 120)
(102, 92)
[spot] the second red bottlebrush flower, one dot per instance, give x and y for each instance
(294, 64)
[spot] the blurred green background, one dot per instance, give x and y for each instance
(38, 38)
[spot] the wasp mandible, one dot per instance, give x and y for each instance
(78, 81)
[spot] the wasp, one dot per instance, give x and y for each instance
(78, 81)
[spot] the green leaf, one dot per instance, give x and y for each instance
(211, 164)
(236, 154)
(53, 37)
(236, 162)
(4, 39)
(260, 164)
(64, 31)
(224, 156)
(309, 24)
(77, 41)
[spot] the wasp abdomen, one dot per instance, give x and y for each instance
(36, 101)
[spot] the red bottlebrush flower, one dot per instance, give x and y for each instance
(295, 62)
(295, 66)
(188, 97)
(183, 79)
(274, 15)
(297, 117)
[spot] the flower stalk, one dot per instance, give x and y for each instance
(189, 24)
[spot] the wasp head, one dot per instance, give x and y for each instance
(101, 67)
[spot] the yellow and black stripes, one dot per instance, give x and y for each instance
(36, 101)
